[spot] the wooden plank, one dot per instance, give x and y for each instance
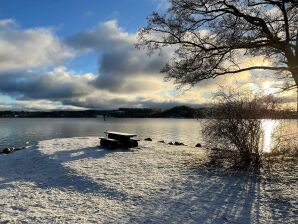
(120, 133)
(109, 139)
(134, 139)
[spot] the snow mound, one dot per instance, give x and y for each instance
(72, 180)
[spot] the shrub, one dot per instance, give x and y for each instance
(236, 125)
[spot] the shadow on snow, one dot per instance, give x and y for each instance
(202, 195)
(47, 171)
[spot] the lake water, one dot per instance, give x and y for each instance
(20, 132)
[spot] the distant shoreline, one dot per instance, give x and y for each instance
(175, 112)
(290, 118)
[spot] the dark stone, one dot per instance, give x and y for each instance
(198, 145)
(178, 143)
(8, 150)
(161, 141)
(148, 139)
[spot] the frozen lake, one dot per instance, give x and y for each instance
(21, 131)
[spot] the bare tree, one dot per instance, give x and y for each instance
(211, 37)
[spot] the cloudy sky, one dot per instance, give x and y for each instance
(80, 54)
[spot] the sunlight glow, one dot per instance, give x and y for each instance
(268, 126)
(266, 84)
(267, 89)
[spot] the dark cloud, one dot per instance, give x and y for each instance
(53, 85)
(94, 103)
(118, 57)
(117, 66)
(118, 102)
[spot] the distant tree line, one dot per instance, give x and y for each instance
(175, 112)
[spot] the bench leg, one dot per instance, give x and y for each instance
(108, 144)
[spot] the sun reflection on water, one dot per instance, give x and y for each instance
(269, 127)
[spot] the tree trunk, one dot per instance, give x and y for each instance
(292, 57)
(295, 74)
(296, 83)
(297, 102)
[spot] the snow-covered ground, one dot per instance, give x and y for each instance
(74, 181)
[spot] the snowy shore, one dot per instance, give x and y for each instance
(74, 181)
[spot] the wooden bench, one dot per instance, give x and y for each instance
(118, 139)
(109, 142)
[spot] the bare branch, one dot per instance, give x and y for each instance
(213, 37)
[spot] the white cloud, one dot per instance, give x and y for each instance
(6, 22)
(162, 5)
(29, 48)
(105, 36)
(32, 105)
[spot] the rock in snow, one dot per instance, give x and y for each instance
(8, 150)
(199, 145)
(74, 181)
